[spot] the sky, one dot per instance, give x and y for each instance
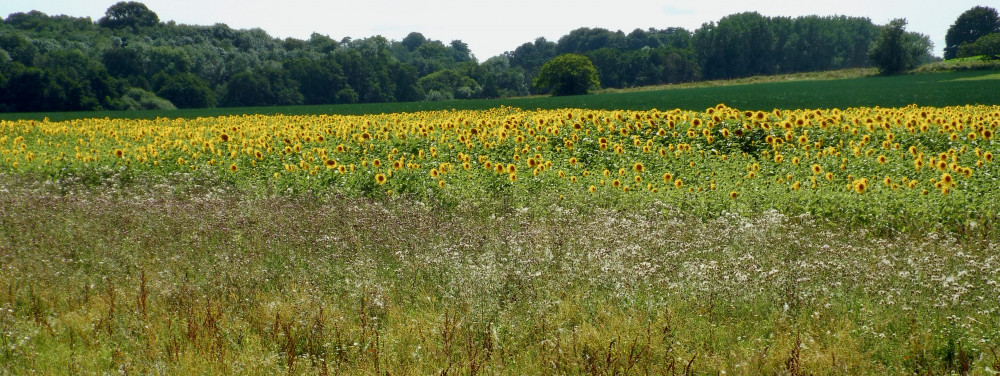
(492, 27)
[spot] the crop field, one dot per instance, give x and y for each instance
(859, 240)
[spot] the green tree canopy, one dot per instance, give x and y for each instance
(568, 74)
(128, 14)
(969, 27)
(895, 50)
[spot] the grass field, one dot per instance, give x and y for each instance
(736, 240)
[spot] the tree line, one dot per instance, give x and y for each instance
(129, 59)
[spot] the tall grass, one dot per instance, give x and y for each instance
(151, 279)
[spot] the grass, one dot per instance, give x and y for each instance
(142, 279)
(960, 64)
(803, 91)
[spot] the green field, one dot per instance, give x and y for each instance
(928, 89)
(573, 241)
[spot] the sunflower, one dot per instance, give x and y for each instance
(678, 183)
(881, 159)
(616, 183)
(512, 177)
(233, 167)
(817, 169)
(638, 167)
(668, 177)
(119, 153)
(988, 156)
(861, 186)
(947, 179)
(380, 179)
(224, 137)
(330, 164)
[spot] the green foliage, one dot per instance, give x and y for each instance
(569, 74)
(987, 46)
(748, 44)
(969, 27)
(185, 90)
(138, 99)
(129, 14)
(264, 87)
(891, 53)
(448, 84)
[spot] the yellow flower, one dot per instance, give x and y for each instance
(380, 179)
(638, 167)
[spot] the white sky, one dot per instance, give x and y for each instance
(492, 27)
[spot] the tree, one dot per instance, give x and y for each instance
(568, 74)
(185, 90)
(888, 52)
(969, 27)
(130, 14)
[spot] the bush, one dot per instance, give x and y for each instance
(987, 46)
(568, 74)
(138, 99)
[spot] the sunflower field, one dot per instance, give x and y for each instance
(911, 166)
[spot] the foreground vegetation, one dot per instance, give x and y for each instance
(825, 241)
(144, 279)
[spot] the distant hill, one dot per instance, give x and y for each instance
(130, 60)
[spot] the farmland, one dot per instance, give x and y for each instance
(780, 232)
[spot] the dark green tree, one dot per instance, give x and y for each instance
(568, 74)
(969, 27)
(131, 14)
(185, 90)
(888, 52)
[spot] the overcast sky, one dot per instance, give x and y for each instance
(492, 27)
